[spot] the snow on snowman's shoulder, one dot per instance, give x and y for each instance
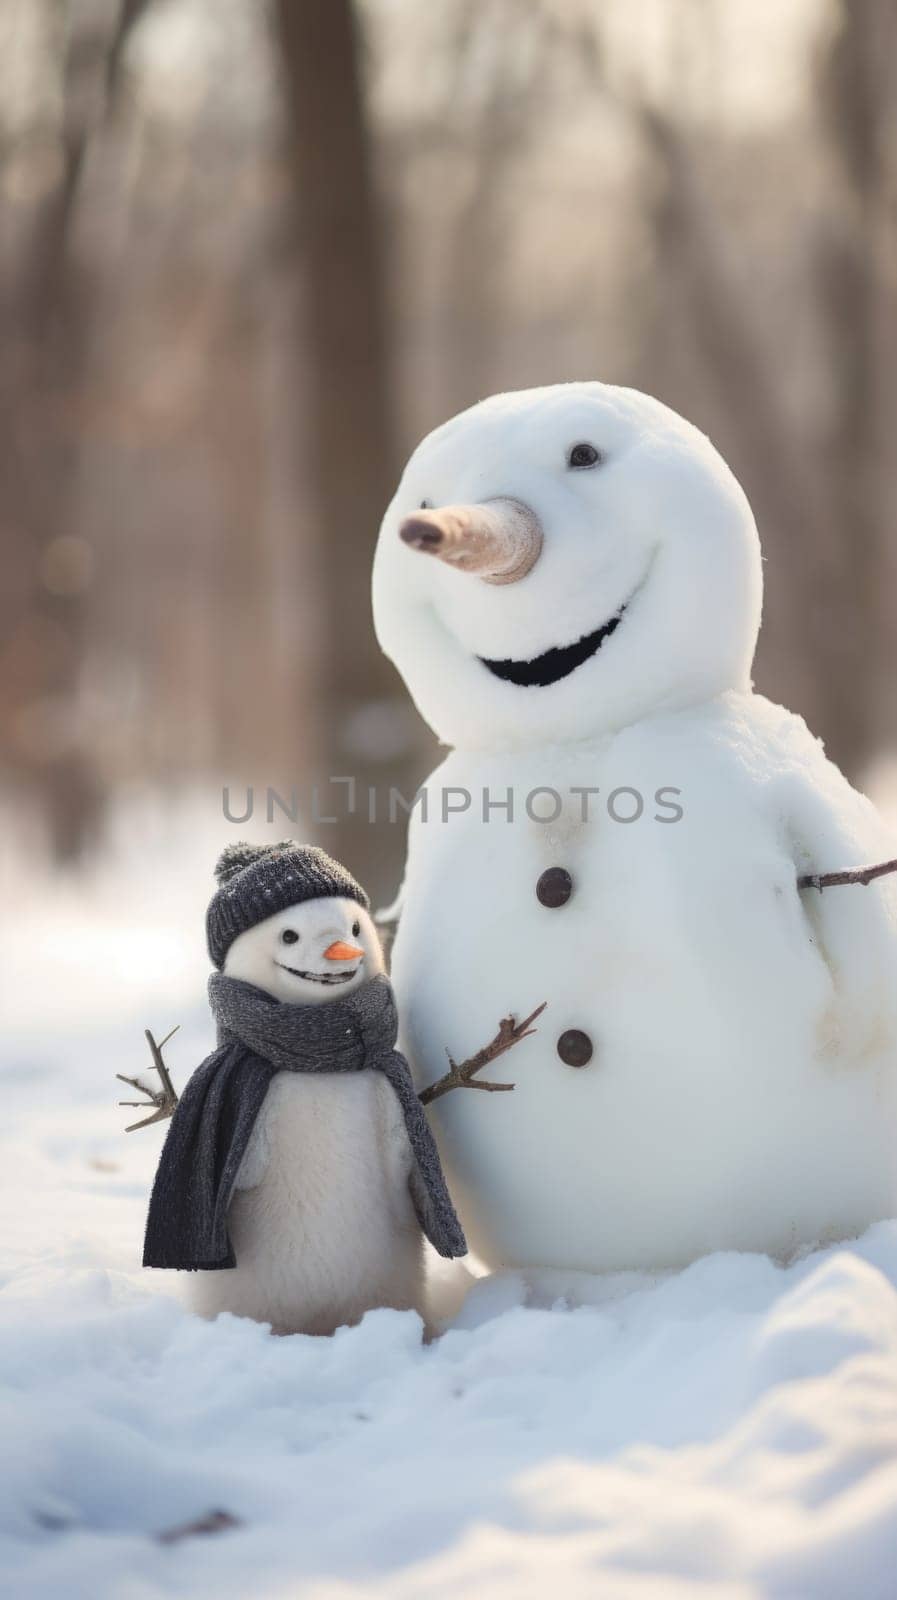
(741, 743)
(766, 740)
(741, 728)
(797, 768)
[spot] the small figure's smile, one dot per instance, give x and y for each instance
(318, 977)
(556, 663)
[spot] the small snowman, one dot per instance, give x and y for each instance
(299, 1175)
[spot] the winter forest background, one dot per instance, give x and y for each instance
(251, 253)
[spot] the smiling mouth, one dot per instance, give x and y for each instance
(554, 664)
(328, 978)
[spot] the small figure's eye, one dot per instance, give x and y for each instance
(356, 929)
(289, 936)
(584, 455)
(425, 506)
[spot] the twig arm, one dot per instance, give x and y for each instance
(159, 1064)
(462, 1075)
(162, 1101)
(831, 880)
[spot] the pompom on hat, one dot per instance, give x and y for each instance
(256, 880)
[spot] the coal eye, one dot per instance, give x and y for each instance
(289, 936)
(583, 455)
(425, 506)
(356, 929)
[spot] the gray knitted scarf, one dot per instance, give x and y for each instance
(258, 1037)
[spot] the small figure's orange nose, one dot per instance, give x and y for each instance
(342, 952)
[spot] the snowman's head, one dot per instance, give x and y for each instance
(308, 953)
(560, 562)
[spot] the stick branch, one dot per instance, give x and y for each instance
(162, 1100)
(211, 1522)
(461, 1075)
(830, 880)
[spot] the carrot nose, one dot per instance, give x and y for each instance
(342, 952)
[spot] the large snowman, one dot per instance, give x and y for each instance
(569, 581)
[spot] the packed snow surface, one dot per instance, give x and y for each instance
(729, 1431)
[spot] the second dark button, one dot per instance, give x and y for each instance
(575, 1048)
(554, 887)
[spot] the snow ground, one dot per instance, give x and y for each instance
(728, 1432)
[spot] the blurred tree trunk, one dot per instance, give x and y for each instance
(46, 309)
(348, 451)
(826, 501)
(476, 260)
(858, 277)
(698, 285)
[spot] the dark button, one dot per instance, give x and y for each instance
(554, 887)
(575, 1048)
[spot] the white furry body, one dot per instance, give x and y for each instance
(322, 1221)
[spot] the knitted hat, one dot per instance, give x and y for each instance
(255, 880)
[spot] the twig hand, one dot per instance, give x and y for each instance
(164, 1100)
(831, 880)
(462, 1075)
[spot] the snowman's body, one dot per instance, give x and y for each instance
(742, 1087)
(322, 1222)
(741, 1092)
(321, 1219)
